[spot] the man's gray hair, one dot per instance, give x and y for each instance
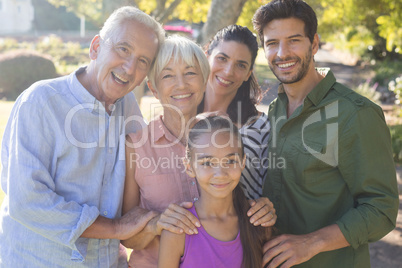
(130, 13)
(179, 48)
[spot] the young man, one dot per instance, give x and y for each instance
(337, 191)
(63, 154)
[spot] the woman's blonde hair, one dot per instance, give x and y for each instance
(179, 48)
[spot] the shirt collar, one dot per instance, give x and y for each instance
(160, 130)
(83, 96)
(80, 92)
(321, 89)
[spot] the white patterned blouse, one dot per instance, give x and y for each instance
(255, 140)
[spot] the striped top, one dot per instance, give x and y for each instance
(255, 140)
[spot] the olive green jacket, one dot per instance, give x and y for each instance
(331, 162)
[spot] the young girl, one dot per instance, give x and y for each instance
(215, 157)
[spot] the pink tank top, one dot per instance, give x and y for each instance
(203, 250)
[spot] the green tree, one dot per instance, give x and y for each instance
(91, 9)
(97, 11)
(221, 13)
(357, 25)
(361, 24)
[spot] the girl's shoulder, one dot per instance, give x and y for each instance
(171, 249)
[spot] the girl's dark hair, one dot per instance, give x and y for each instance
(284, 9)
(252, 237)
(249, 93)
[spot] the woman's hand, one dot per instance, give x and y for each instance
(262, 212)
(176, 219)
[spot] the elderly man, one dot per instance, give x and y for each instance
(63, 154)
(337, 191)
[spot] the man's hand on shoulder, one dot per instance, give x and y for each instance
(133, 222)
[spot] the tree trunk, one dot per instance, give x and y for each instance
(160, 7)
(161, 12)
(163, 17)
(221, 13)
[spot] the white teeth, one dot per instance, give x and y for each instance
(286, 65)
(223, 81)
(120, 78)
(181, 96)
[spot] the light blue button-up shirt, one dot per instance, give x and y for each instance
(62, 166)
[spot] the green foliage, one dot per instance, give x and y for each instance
(352, 24)
(386, 71)
(362, 23)
(8, 44)
(396, 136)
(91, 9)
(369, 91)
(390, 26)
(67, 56)
(63, 53)
(47, 17)
(19, 69)
(396, 87)
(192, 11)
(248, 12)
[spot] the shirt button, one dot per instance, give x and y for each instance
(193, 183)
(105, 213)
(195, 198)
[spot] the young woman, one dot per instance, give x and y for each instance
(155, 175)
(216, 159)
(233, 89)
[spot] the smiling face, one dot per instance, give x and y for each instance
(230, 64)
(122, 61)
(180, 85)
(218, 166)
(288, 50)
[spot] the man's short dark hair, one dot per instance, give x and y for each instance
(283, 9)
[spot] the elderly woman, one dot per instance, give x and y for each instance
(155, 175)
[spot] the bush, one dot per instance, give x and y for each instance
(368, 91)
(20, 69)
(8, 44)
(387, 70)
(396, 135)
(396, 87)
